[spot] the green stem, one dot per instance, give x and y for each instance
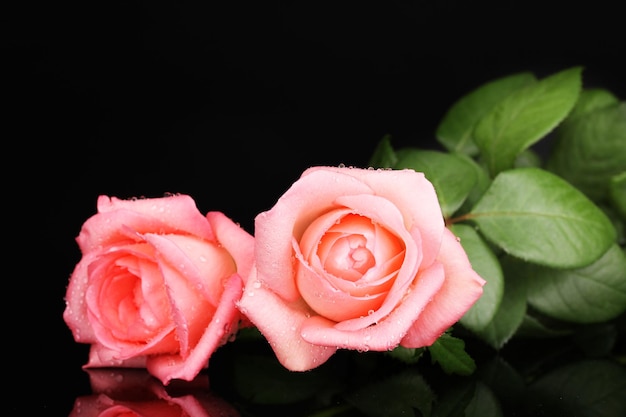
(458, 219)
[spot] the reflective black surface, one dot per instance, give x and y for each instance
(562, 377)
(230, 104)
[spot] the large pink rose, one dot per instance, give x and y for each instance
(157, 284)
(355, 259)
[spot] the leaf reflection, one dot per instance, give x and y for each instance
(575, 376)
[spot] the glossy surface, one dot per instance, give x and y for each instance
(528, 378)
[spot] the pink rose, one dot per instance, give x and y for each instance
(157, 284)
(355, 259)
(134, 393)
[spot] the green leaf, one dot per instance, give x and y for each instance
(452, 176)
(486, 264)
(511, 310)
(384, 155)
(406, 355)
(583, 388)
(504, 380)
(455, 398)
(263, 380)
(524, 117)
(449, 352)
(532, 326)
(536, 216)
(619, 223)
(484, 403)
(528, 158)
(617, 193)
(592, 99)
(591, 149)
(395, 396)
(597, 340)
(483, 181)
(455, 129)
(590, 294)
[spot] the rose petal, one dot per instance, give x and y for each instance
(462, 287)
(222, 326)
(75, 313)
(124, 310)
(307, 199)
(280, 322)
(100, 357)
(175, 214)
(204, 265)
(387, 333)
(330, 302)
(238, 242)
(188, 287)
(411, 192)
(380, 245)
(314, 233)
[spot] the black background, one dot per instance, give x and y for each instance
(229, 103)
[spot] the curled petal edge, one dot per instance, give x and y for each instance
(462, 287)
(223, 324)
(387, 333)
(280, 323)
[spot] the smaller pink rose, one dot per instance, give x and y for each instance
(157, 284)
(358, 259)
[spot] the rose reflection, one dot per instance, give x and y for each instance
(134, 392)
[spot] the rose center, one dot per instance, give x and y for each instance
(349, 257)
